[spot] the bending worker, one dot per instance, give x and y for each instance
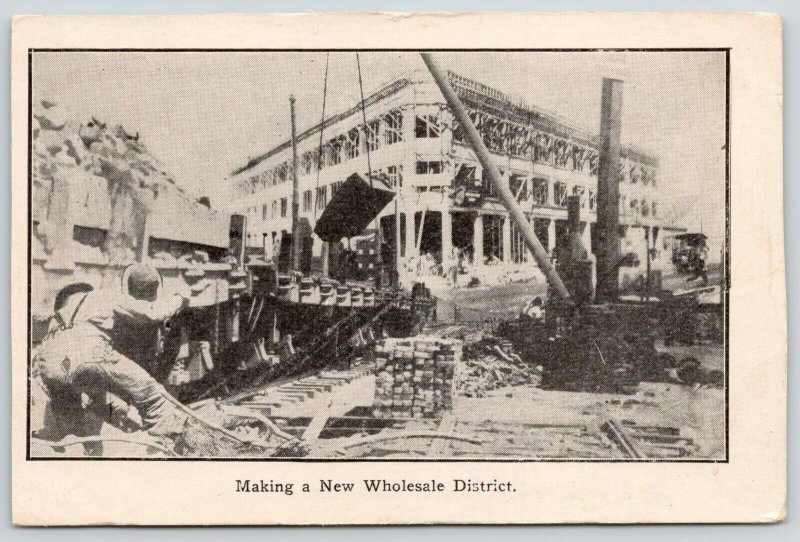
(97, 345)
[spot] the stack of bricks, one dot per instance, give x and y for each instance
(414, 377)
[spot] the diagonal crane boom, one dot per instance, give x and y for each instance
(503, 190)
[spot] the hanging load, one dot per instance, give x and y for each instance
(354, 205)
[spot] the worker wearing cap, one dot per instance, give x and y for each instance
(91, 349)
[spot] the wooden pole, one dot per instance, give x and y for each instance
(647, 242)
(397, 235)
(418, 241)
(378, 253)
(296, 241)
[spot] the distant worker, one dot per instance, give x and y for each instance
(97, 344)
(534, 309)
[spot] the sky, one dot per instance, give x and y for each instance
(203, 114)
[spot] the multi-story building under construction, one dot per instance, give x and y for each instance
(416, 146)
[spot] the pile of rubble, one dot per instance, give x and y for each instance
(112, 181)
(490, 363)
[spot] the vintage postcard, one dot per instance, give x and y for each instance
(398, 268)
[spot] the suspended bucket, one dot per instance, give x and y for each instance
(354, 205)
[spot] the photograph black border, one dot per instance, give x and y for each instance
(725, 263)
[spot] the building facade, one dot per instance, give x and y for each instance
(412, 141)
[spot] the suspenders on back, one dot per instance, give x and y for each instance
(68, 325)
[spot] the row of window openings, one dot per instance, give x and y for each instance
(540, 197)
(321, 199)
(510, 138)
(540, 191)
(518, 186)
(394, 176)
(349, 146)
(284, 209)
(560, 194)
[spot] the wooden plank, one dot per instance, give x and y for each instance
(618, 436)
(447, 427)
(318, 422)
(294, 390)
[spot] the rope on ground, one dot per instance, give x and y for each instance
(412, 434)
(202, 420)
(244, 412)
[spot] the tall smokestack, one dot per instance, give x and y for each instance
(608, 246)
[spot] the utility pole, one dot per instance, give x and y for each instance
(397, 233)
(296, 241)
(647, 243)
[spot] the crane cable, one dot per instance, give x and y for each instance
(364, 117)
(321, 131)
(378, 235)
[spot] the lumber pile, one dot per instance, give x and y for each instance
(414, 377)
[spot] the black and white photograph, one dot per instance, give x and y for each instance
(395, 255)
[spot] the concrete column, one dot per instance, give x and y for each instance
(411, 233)
(586, 236)
(507, 239)
(477, 241)
(551, 236)
(447, 237)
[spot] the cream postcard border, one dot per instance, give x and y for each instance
(750, 487)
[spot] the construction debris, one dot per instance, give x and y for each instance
(491, 364)
(224, 431)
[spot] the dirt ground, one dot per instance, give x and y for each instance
(526, 422)
(698, 413)
(481, 303)
(521, 422)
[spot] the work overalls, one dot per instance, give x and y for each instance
(76, 359)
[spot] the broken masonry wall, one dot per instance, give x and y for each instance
(113, 183)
